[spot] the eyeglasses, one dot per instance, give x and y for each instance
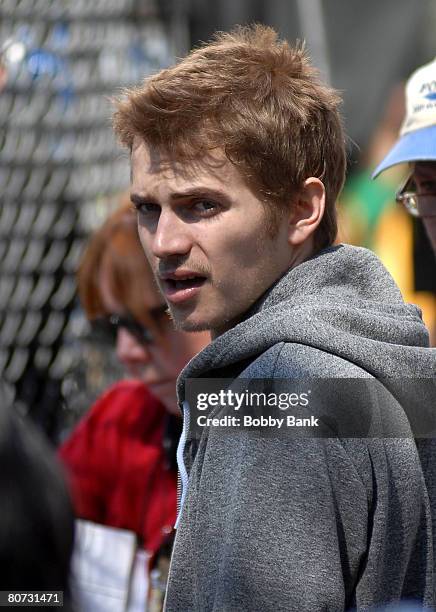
(106, 328)
(417, 204)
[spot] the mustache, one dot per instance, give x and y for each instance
(171, 266)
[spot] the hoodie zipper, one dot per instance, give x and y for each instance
(182, 477)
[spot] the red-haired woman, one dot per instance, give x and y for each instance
(120, 474)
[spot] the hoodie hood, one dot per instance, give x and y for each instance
(342, 301)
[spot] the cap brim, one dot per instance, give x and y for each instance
(419, 145)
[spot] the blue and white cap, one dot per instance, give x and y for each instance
(418, 132)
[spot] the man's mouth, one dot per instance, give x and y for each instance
(185, 283)
(179, 287)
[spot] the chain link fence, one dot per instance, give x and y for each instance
(61, 172)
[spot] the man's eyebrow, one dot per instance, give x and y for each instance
(196, 192)
(141, 199)
(200, 192)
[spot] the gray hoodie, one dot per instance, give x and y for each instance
(278, 523)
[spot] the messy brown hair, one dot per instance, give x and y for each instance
(258, 99)
(116, 247)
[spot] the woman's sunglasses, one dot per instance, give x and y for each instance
(106, 328)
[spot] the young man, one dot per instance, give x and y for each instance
(417, 147)
(237, 160)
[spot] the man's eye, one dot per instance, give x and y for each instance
(147, 208)
(205, 206)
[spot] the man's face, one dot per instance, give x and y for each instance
(206, 237)
(424, 174)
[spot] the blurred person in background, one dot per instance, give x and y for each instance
(36, 516)
(416, 146)
(121, 456)
(370, 217)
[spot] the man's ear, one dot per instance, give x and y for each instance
(307, 211)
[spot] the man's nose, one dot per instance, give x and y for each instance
(172, 236)
(129, 350)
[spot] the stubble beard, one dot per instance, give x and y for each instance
(183, 324)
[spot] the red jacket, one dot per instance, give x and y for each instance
(117, 465)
